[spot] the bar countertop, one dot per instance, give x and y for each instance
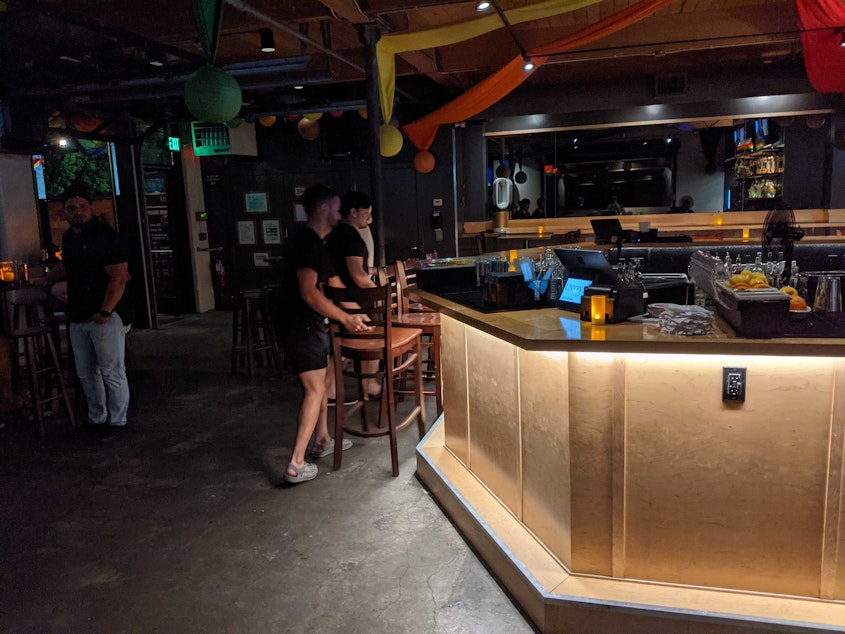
(551, 329)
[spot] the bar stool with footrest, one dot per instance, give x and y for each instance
(397, 350)
(34, 352)
(254, 341)
(427, 320)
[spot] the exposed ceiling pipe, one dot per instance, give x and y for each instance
(243, 6)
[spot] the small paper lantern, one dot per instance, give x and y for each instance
(363, 113)
(548, 169)
(336, 113)
(313, 116)
(294, 117)
(308, 129)
(212, 95)
(267, 121)
(390, 140)
(424, 162)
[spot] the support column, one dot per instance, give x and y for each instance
(369, 35)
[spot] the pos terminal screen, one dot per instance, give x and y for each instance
(574, 289)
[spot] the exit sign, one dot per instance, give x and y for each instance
(173, 144)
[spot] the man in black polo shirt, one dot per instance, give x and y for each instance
(96, 260)
(307, 267)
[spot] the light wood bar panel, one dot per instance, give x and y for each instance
(610, 449)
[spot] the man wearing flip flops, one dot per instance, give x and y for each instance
(307, 268)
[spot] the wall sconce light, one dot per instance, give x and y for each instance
(528, 65)
(156, 57)
(482, 5)
(267, 43)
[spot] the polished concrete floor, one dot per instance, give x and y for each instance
(182, 525)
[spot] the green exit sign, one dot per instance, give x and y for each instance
(173, 144)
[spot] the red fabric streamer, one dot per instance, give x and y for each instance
(823, 22)
(502, 82)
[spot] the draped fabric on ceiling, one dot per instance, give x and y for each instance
(823, 22)
(389, 45)
(498, 85)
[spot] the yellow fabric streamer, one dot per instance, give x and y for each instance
(389, 45)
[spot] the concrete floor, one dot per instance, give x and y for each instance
(181, 525)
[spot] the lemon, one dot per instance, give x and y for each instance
(789, 290)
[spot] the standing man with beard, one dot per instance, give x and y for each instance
(96, 260)
(307, 268)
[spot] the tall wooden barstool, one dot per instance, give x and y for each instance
(254, 341)
(426, 320)
(397, 350)
(35, 353)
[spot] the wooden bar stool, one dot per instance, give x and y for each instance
(35, 352)
(426, 320)
(397, 350)
(254, 341)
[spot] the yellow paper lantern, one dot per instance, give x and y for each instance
(212, 95)
(424, 162)
(313, 116)
(267, 121)
(363, 113)
(308, 129)
(390, 140)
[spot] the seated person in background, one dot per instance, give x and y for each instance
(615, 209)
(523, 212)
(540, 212)
(686, 204)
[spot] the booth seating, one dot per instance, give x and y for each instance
(397, 351)
(254, 342)
(35, 360)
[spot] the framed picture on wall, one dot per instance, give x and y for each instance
(299, 213)
(256, 203)
(246, 232)
(271, 232)
(261, 259)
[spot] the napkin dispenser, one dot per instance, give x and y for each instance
(623, 302)
(506, 290)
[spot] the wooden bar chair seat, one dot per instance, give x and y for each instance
(397, 351)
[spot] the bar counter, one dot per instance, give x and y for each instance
(599, 473)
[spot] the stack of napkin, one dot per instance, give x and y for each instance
(677, 319)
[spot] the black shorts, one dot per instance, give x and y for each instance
(307, 346)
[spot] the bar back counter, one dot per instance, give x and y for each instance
(599, 473)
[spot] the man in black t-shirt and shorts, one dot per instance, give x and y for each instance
(307, 267)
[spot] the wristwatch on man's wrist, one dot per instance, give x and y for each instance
(105, 314)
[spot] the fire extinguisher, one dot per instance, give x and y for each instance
(221, 272)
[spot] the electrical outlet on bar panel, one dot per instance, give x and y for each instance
(733, 385)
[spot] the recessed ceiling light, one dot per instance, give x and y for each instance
(482, 5)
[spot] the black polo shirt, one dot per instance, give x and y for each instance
(86, 255)
(344, 241)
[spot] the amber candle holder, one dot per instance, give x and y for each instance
(8, 271)
(746, 234)
(598, 307)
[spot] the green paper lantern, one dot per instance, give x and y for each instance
(212, 95)
(390, 140)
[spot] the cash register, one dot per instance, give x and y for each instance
(589, 273)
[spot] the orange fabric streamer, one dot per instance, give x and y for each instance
(487, 92)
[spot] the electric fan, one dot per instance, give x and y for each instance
(780, 225)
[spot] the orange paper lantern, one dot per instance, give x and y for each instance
(308, 129)
(363, 113)
(424, 162)
(267, 121)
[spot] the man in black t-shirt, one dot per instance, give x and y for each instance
(307, 267)
(96, 260)
(349, 254)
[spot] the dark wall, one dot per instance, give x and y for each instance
(336, 158)
(805, 164)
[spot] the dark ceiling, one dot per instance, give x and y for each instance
(92, 57)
